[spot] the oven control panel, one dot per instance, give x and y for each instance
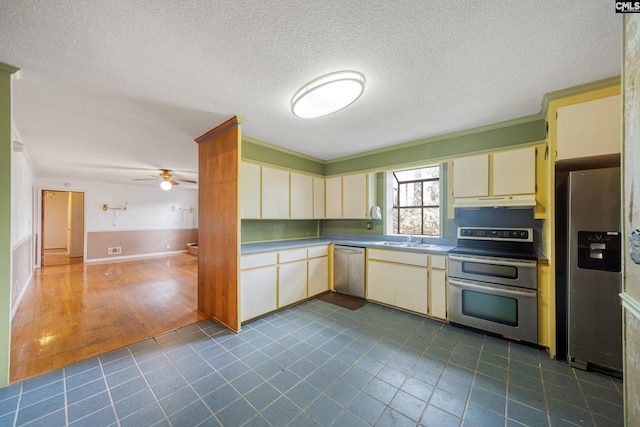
(499, 234)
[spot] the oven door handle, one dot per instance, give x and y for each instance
(492, 260)
(486, 288)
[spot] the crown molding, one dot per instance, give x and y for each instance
(578, 90)
(442, 137)
(9, 69)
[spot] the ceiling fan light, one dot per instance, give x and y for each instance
(327, 94)
(165, 185)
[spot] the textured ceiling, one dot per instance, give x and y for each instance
(113, 89)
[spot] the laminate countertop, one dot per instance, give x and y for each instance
(378, 242)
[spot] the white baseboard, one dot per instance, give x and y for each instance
(14, 309)
(130, 257)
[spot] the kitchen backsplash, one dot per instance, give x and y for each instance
(267, 230)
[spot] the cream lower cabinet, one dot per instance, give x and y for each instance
(292, 282)
(380, 286)
(399, 279)
(272, 280)
(438, 286)
(318, 270)
(258, 285)
(292, 276)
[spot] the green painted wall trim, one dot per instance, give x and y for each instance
(578, 90)
(527, 131)
(8, 69)
(261, 152)
(5, 222)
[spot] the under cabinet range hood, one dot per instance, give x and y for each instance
(517, 201)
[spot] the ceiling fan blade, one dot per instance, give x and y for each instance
(185, 180)
(173, 181)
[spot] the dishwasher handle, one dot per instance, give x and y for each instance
(349, 249)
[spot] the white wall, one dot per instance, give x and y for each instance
(22, 242)
(148, 207)
(22, 182)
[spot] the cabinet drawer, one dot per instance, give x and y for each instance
(318, 251)
(292, 255)
(439, 262)
(257, 260)
(400, 257)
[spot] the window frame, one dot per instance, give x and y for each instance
(392, 204)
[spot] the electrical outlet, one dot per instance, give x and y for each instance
(168, 246)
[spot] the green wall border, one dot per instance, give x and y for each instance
(5, 225)
(262, 152)
(516, 132)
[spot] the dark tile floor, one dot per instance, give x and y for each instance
(317, 364)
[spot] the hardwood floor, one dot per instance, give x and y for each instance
(73, 312)
(52, 257)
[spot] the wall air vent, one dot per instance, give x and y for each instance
(114, 251)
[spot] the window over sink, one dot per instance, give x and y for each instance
(416, 201)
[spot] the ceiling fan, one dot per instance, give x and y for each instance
(167, 179)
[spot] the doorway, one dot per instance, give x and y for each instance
(62, 227)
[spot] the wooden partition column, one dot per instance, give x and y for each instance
(219, 223)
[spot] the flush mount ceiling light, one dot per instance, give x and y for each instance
(165, 185)
(327, 94)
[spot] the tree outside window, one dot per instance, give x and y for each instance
(416, 201)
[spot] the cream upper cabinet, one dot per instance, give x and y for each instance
(333, 197)
(505, 178)
(275, 193)
(588, 129)
(249, 191)
(318, 198)
(302, 196)
(347, 197)
(514, 172)
(354, 196)
(471, 176)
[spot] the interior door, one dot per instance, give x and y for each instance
(62, 227)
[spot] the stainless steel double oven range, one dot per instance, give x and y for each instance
(493, 282)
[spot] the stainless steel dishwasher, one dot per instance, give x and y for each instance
(348, 270)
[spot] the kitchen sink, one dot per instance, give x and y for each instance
(405, 245)
(392, 243)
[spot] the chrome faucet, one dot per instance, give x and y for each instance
(409, 237)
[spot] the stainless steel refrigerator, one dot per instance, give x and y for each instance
(594, 277)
